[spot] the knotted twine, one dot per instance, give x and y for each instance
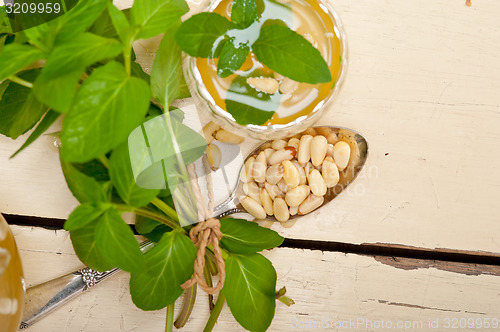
(205, 233)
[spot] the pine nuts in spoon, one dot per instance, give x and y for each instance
(292, 176)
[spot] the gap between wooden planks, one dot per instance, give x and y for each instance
(328, 288)
(399, 256)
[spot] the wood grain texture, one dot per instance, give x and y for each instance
(326, 286)
(422, 87)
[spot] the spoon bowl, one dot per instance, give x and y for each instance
(359, 154)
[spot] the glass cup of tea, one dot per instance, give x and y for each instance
(11, 281)
(298, 107)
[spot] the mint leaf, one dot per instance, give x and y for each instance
(150, 229)
(80, 18)
(291, 55)
(95, 169)
(49, 118)
(243, 13)
(83, 187)
(58, 81)
(168, 265)
(120, 22)
(137, 71)
(84, 244)
(197, 35)
(67, 26)
(166, 76)
(156, 16)
(15, 57)
(109, 96)
(19, 109)
(116, 241)
(122, 177)
(84, 214)
(231, 58)
(249, 106)
(245, 237)
(250, 288)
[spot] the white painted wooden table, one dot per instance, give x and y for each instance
(423, 88)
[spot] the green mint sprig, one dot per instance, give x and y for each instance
(90, 78)
(209, 35)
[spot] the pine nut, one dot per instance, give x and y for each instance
(209, 130)
(308, 168)
(246, 170)
(304, 153)
(277, 76)
(329, 150)
(272, 190)
(317, 183)
(302, 173)
(214, 156)
(330, 172)
(265, 146)
(324, 131)
(278, 144)
(266, 201)
(288, 86)
(265, 84)
(294, 142)
(294, 210)
(280, 208)
(311, 203)
(318, 150)
(274, 174)
(259, 168)
(332, 138)
(290, 174)
(296, 196)
(254, 208)
(281, 155)
(268, 152)
(251, 189)
(341, 154)
(282, 186)
(222, 135)
(309, 131)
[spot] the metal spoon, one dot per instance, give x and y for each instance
(44, 298)
(359, 153)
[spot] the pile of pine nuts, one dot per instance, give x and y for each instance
(292, 176)
(211, 132)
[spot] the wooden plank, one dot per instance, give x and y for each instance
(422, 88)
(32, 183)
(328, 288)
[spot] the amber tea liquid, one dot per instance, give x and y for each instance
(308, 18)
(11, 281)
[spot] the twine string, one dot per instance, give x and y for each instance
(205, 233)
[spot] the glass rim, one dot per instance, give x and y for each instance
(199, 89)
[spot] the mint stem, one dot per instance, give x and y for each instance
(165, 208)
(215, 313)
(20, 81)
(169, 326)
(127, 56)
(104, 161)
(153, 215)
(187, 306)
(208, 279)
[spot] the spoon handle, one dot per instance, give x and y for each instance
(42, 299)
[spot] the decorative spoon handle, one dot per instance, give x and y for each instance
(47, 297)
